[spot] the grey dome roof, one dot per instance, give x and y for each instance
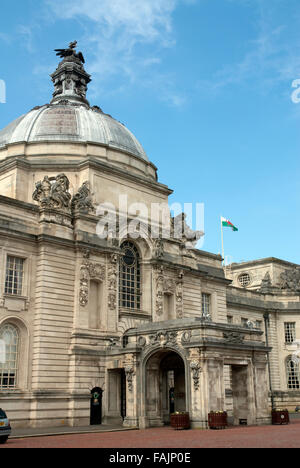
(71, 123)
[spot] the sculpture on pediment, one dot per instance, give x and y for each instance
(82, 201)
(266, 283)
(181, 230)
(53, 194)
(158, 248)
(290, 280)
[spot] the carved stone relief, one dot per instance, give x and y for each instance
(82, 201)
(233, 337)
(158, 248)
(129, 372)
(53, 193)
(89, 270)
(112, 282)
(164, 338)
(195, 369)
(169, 286)
(290, 280)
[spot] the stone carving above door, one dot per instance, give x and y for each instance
(233, 337)
(164, 338)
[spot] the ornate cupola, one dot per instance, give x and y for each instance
(70, 78)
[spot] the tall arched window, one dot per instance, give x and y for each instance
(9, 342)
(130, 277)
(293, 374)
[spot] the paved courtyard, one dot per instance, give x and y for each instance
(235, 437)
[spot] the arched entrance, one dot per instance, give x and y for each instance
(96, 406)
(165, 387)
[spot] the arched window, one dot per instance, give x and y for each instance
(130, 277)
(9, 342)
(293, 375)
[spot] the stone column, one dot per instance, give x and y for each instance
(197, 381)
(215, 369)
(261, 389)
(131, 371)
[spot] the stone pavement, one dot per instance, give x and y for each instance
(65, 430)
(235, 437)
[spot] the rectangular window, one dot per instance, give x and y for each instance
(290, 332)
(205, 305)
(229, 319)
(14, 276)
(258, 324)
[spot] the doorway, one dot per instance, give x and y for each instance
(96, 406)
(165, 387)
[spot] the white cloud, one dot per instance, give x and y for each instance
(125, 37)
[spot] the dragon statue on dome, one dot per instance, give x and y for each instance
(70, 52)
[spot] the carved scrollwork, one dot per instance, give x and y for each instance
(195, 369)
(89, 270)
(129, 372)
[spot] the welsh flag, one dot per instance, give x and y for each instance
(226, 223)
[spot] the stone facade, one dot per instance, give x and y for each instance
(84, 337)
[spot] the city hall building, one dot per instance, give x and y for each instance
(124, 329)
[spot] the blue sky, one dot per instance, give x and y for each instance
(205, 85)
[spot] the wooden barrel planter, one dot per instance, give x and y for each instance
(280, 416)
(217, 420)
(180, 421)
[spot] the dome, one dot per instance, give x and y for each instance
(71, 122)
(69, 116)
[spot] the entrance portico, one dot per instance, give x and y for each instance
(171, 366)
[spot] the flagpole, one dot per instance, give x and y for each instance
(223, 256)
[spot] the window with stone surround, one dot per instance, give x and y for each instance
(9, 358)
(289, 332)
(206, 304)
(130, 277)
(14, 276)
(244, 280)
(293, 375)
